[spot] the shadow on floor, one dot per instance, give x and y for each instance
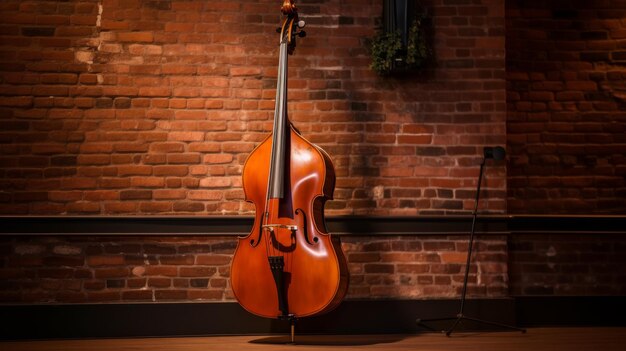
(330, 340)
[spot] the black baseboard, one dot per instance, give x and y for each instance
(542, 311)
(182, 319)
(351, 317)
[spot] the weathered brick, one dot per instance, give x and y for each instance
(135, 36)
(197, 271)
(110, 260)
(117, 272)
(578, 94)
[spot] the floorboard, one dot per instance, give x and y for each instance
(536, 339)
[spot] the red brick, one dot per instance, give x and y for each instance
(167, 147)
(135, 194)
(117, 272)
(101, 195)
(18, 101)
(245, 71)
(83, 207)
(134, 170)
(167, 271)
(453, 257)
(188, 207)
(218, 158)
(186, 136)
(205, 294)
(144, 295)
(191, 114)
(213, 260)
(116, 260)
(53, 19)
(170, 170)
(155, 207)
(170, 294)
(183, 159)
(197, 271)
(159, 282)
(163, 194)
(205, 195)
(177, 260)
(154, 91)
(135, 36)
(116, 207)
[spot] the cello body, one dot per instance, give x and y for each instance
(314, 268)
(289, 266)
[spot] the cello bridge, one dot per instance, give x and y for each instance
(271, 227)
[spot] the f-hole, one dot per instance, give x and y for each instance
(305, 230)
(255, 243)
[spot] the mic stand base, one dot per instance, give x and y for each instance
(460, 317)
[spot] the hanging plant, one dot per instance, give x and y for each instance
(388, 54)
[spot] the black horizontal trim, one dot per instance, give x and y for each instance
(568, 224)
(339, 225)
(351, 317)
(125, 225)
(240, 225)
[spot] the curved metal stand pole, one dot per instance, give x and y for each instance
(461, 316)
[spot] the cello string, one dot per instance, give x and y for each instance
(286, 40)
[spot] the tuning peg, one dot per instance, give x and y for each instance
(301, 24)
(302, 34)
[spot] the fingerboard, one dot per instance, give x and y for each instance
(281, 130)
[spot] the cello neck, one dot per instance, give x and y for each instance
(281, 132)
(281, 129)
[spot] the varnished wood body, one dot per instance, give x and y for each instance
(315, 269)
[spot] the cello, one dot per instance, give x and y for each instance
(288, 266)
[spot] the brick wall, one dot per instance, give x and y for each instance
(587, 264)
(425, 266)
(151, 106)
(566, 123)
(78, 269)
(161, 269)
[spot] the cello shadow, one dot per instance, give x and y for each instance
(330, 340)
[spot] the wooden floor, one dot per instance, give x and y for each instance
(536, 339)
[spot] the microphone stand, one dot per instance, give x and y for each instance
(488, 153)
